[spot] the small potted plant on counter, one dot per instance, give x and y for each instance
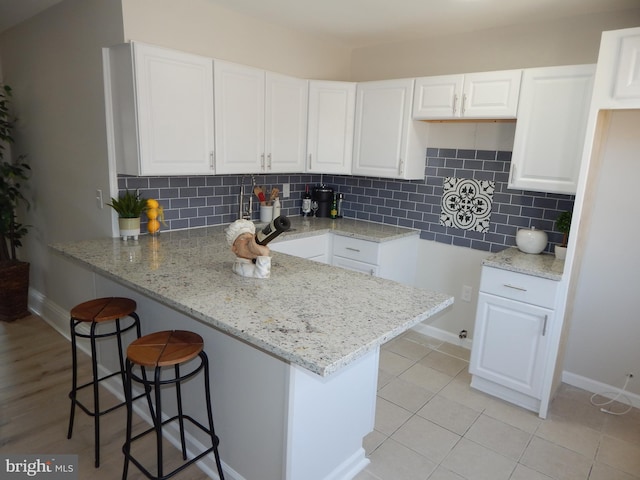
(563, 225)
(14, 274)
(129, 206)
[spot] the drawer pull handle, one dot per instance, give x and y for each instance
(353, 249)
(515, 288)
(544, 325)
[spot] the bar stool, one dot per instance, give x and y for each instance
(95, 312)
(165, 349)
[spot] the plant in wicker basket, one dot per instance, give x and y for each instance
(14, 274)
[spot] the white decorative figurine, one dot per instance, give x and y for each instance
(252, 260)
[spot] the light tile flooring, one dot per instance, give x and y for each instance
(431, 425)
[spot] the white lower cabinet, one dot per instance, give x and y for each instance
(514, 321)
(393, 259)
(314, 248)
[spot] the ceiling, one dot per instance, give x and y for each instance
(370, 22)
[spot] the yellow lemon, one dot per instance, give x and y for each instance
(151, 203)
(152, 214)
(153, 226)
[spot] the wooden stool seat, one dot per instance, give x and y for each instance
(163, 349)
(103, 309)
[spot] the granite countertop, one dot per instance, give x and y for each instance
(375, 232)
(543, 265)
(316, 316)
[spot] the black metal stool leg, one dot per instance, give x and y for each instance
(214, 438)
(96, 395)
(74, 378)
(180, 414)
(126, 448)
(158, 423)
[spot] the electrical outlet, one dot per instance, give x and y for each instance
(286, 190)
(466, 293)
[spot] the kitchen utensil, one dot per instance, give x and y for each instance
(260, 194)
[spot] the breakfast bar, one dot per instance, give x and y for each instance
(294, 358)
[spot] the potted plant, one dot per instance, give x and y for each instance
(14, 274)
(563, 225)
(129, 206)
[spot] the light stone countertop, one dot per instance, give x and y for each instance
(316, 316)
(542, 265)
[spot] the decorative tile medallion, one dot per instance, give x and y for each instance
(466, 203)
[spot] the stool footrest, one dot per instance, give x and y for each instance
(181, 467)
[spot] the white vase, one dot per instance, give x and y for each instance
(531, 240)
(561, 252)
(129, 227)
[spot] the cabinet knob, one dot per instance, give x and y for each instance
(544, 325)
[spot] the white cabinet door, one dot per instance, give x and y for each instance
(618, 77)
(162, 111)
(474, 95)
(260, 120)
(438, 97)
(330, 128)
(239, 112)
(510, 343)
(387, 142)
(285, 123)
(551, 126)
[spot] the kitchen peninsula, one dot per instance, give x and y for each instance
(294, 358)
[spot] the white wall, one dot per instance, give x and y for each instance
(604, 324)
(54, 64)
(568, 41)
(202, 27)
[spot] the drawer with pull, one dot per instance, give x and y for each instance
(355, 249)
(519, 286)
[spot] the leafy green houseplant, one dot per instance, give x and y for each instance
(14, 274)
(129, 206)
(563, 225)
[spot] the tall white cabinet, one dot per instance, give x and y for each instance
(261, 120)
(387, 141)
(162, 110)
(330, 127)
(550, 131)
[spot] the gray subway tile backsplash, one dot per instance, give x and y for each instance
(198, 201)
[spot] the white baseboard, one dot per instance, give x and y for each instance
(602, 389)
(443, 335)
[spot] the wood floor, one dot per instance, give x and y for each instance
(35, 379)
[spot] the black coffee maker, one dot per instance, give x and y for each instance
(323, 195)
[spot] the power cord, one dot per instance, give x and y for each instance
(620, 394)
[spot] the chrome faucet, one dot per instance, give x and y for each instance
(242, 212)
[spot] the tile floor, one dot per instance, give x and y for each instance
(431, 425)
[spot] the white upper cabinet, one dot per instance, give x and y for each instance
(473, 95)
(261, 120)
(330, 128)
(162, 110)
(550, 130)
(387, 142)
(618, 78)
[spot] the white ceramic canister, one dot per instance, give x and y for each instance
(531, 240)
